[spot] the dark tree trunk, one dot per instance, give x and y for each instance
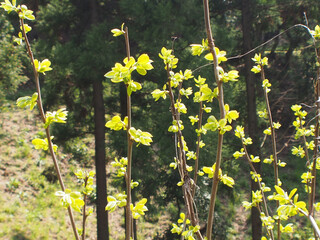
(100, 162)
(247, 26)
(100, 152)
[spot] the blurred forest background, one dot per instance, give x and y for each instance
(75, 35)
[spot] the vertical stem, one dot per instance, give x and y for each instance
(274, 146)
(316, 140)
(182, 165)
(315, 226)
(35, 72)
(176, 117)
(260, 187)
(273, 135)
(84, 215)
(129, 228)
(222, 116)
(214, 187)
(196, 166)
(43, 118)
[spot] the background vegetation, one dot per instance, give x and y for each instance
(75, 36)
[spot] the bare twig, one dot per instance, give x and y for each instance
(222, 116)
(129, 220)
(43, 118)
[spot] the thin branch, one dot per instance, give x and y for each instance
(259, 46)
(316, 137)
(222, 116)
(129, 220)
(84, 214)
(43, 118)
(274, 144)
(260, 186)
(196, 166)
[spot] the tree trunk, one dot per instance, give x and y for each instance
(100, 162)
(100, 152)
(247, 26)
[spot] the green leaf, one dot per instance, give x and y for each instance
(143, 59)
(207, 109)
(119, 73)
(180, 107)
(191, 155)
(8, 6)
(316, 32)
(144, 64)
(176, 126)
(134, 184)
(117, 124)
(26, 27)
(42, 67)
(207, 94)
(279, 190)
(117, 32)
(200, 81)
(198, 49)
(72, 199)
(299, 152)
(59, 116)
(168, 58)
(239, 132)
(238, 154)
(287, 229)
(254, 159)
(227, 180)
(212, 124)
(157, 94)
(139, 208)
(112, 204)
(40, 143)
(23, 102)
(133, 87)
(232, 75)
(209, 56)
(256, 69)
(209, 171)
(25, 13)
(180, 183)
(220, 55)
(263, 114)
(296, 107)
(232, 115)
(176, 229)
(247, 205)
(293, 191)
(139, 136)
(43, 144)
(247, 141)
(193, 119)
(257, 58)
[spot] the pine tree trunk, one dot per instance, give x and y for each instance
(100, 152)
(247, 26)
(101, 202)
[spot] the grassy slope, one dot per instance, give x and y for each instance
(29, 208)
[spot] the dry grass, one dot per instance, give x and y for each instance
(29, 208)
